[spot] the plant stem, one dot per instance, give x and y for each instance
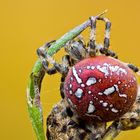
(112, 131)
(36, 77)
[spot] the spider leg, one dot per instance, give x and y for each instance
(105, 50)
(62, 88)
(69, 112)
(41, 53)
(48, 70)
(108, 52)
(66, 61)
(81, 40)
(62, 68)
(107, 32)
(112, 54)
(92, 42)
(46, 59)
(133, 68)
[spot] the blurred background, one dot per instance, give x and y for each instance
(25, 25)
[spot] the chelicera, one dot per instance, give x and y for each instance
(95, 84)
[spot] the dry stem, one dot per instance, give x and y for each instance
(62, 127)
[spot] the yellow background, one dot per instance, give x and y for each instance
(27, 24)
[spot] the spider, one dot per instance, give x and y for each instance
(83, 68)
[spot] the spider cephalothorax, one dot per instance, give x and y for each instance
(94, 83)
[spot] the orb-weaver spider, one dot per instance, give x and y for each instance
(78, 53)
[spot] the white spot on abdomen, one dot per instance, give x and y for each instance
(88, 67)
(116, 87)
(100, 93)
(89, 92)
(79, 93)
(82, 85)
(76, 75)
(114, 110)
(115, 69)
(123, 95)
(91, 81)
(70, 85)
(109, 91)
(103, 69)
(91, 107)
(121, 70)
(119, 82)
(71, 78)
(92, 67)
(101, 101)
(70, 91)
(105, 104)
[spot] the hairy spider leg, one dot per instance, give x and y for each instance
(66, 61)
(46, 59)
(107, 32)
(41, 54)
(105, 50)
(62, 87)
(63, 69)
(80, 39)
(134, 68)
(92, 40)
(112, 54)
(108, 52)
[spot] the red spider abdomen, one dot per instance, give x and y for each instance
(100, 88)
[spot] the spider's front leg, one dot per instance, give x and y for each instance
(92, 41)
(105, 49)
(47, 59)
(62, 68)
(92, 47)
(41, 52)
